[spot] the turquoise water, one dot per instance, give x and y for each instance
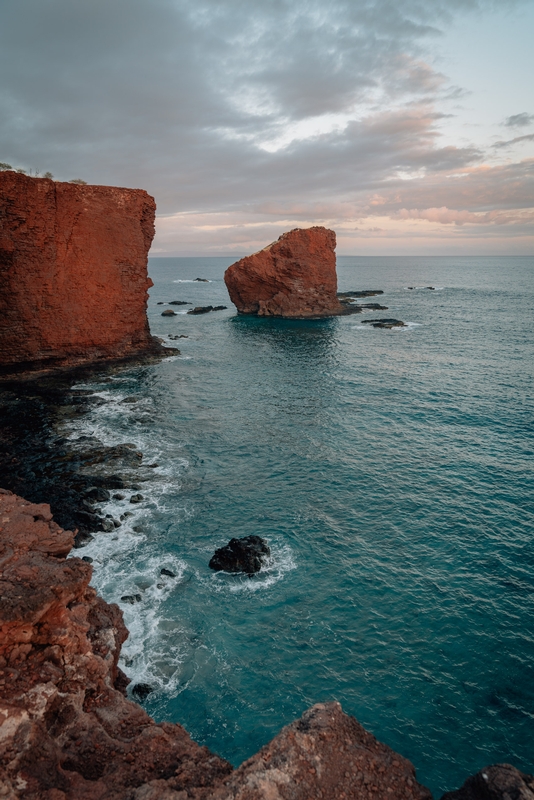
(391, 473)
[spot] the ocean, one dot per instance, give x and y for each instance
(390, 472)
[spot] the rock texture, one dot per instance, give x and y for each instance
(292, 277)
(247, 554)
(73, 273)
(497, 782)
(325, 754)
(66, 730)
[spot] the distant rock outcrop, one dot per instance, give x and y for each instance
(73, 273)
(292, 277)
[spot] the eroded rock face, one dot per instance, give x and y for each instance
(66, 730)
(292, 277)
(73, 273)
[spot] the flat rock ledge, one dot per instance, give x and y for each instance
(67, 730)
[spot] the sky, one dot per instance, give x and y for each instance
(407, 126)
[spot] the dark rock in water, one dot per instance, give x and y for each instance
(179, 303)
(130, 400)
(432, 288)
(498, 782)
(180, 336)
(160, 303)
(241, 555)
(374, 306)
(82, 539)
(87, 521)
(142, 690)
(167, 572)
(168, 313)
(136, 498)
(219, 308)
(118, 496)
(363, 293)
(97, 493)
(200, 310)
(131, 598)
(88, 559)
(201, 280)
(411, 287)
(384, 323)
(107, 525)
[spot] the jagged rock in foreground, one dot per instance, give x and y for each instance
(498, 782)
(68, 732)
(73, 273)
(325, 754)
(292, 277)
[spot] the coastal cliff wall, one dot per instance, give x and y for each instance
(73, 273)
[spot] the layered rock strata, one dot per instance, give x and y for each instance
(73, 273)
(67, 730)
(292, 277)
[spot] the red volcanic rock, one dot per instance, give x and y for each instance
(325, 754)
(292, 277)
(66, 731)
(73, 272)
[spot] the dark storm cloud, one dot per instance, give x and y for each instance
(186, 99)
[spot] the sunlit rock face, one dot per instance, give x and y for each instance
(73, 272)
(292, 277)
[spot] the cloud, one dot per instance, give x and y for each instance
(261, 114)
(527, 138)
(519, 120)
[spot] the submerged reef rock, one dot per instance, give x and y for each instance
(73, 273)
(292, 277)
(384, 323)
(241, 555)
(67, 730)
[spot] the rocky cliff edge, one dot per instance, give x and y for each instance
(73, 273)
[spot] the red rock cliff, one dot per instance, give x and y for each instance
(73, 272)
(292, 277)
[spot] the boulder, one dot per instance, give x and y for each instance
(498, 782)
(292, 277)
(241, 555)
(168, 313)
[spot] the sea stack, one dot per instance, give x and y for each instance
(293, 277)
(73, 273)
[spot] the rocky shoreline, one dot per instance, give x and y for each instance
(67, 730)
